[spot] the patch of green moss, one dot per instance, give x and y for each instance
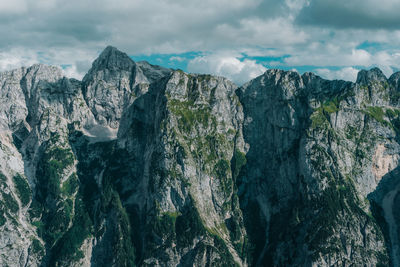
(3, 178)
(338, 199)
(70, 186)
(204, 77)
(67, 247)
(331, 106)
(188, 226)
(377, 113)
(226, 258)
(394, 95)
(321, 115)
(35, 209)
(189, 114)
(392, 113)
(50, 172)
(122, 244)
(50, 169)
(238, 161)
(351, 132)
(37, 247)
(164, 225)
(221, 170)
(23, 189)
(39, 227)
(181, 81)
(231, 131)
(207, 149)
(123, 247)
(333, 201)
(318, 119)
(57, 221)
(10, 202)
(2, 215)
(171, 215)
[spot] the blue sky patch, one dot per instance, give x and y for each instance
(174, 61)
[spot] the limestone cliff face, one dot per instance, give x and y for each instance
(318, 150)
(143, 165)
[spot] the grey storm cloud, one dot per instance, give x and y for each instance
(361, 14)
(140, 25)
(72, 33)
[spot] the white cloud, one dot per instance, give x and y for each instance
(17, 58)
(71, 71)
(74, 63)
(234, 68)
(330, 56)
(259, 32)
(347, 74)
(13, 7)
(148, 26)
(351, 14)
(176, 58)
(74, 32)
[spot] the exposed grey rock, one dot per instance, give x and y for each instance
(143, 165)
(316, 152)
(114, 82)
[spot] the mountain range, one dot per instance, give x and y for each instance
(140, 165)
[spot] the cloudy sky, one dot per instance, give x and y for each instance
(238, 39)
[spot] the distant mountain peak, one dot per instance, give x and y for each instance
(113, 59)
(364, 76)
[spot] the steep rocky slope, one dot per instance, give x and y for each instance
(318, 150)
(143, 165)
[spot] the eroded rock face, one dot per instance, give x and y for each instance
(382, 162)
(325, 145)
(114, 82)
(143, 165)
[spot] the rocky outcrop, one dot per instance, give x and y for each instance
(114, 82)
(314, 168)
(143, 165)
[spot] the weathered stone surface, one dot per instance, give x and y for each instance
(143, 165)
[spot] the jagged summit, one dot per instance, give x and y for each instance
(395, 79)
(113, 59)
(152, 72)
(374, 74)
(114, 82)
(42, 66)
(280, 72)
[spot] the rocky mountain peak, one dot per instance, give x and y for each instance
(278, 75)
(113, 59)
(39, 73)
(374, 74)
(282, 84)
(152, 72)
(114, 82)
(395, 80)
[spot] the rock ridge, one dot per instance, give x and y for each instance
(140, 165)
